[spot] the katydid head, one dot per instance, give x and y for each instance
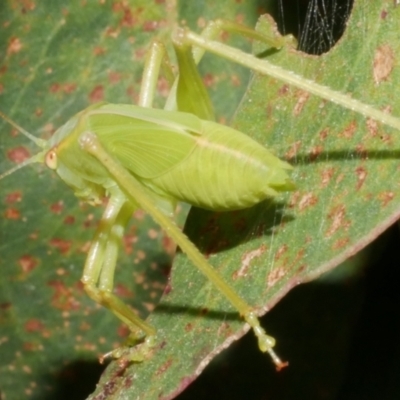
(37, 158)
(62, 154)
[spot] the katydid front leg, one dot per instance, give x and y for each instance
(98, 274)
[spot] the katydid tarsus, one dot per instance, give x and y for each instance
(145, 158)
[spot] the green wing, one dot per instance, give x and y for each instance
(147, 142)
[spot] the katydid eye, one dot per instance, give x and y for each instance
(51, 159)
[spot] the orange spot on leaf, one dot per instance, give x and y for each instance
(247, 258)
(12, 213)
(14, 197)
(280, 252)
(18, 154)
(338, 244)
(164, 367)
(386, 197)
(384, 60)
(326, 176)
(349, 131)
(57, 208)
(97, 94)
(14, 45)
(123, 291)
(337, 216)
(99, 51)
(69, 220)
(114, 77)
(27, 263)
(63, 246)
(307, 200)
(292, 152)
(63, 298)
(361, 173)
(301, 101)
(33, 325)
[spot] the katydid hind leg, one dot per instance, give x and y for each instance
(134, 190)
(215, 27)
(191, 93)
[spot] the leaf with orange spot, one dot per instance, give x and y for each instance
(66, 61)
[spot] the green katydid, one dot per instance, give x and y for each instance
(90, 153)
(140, 157)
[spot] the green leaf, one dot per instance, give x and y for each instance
(57, 60)
(346, 173)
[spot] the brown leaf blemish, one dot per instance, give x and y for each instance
(12, 213)
(163, 368)
(292, 152)
(188, 327)
(323, 134)
(97, 94)
(235, 80)
(362, 151)
(99, 51)
(114, 77)
(27, 263)
(14, 197)
(18, 154)
(383, 64)
(294, 199)
(337, 216)
(361, 174)
(129, 19)
(128, 241)
(63, 298)
(246, 261)
(279, 272)
(349, 131)
(372, 127)
(63, 246)
(280, 252)
(69, 220)
(283, 90)
(326, 176)
(340, 243)
(275, 275)
(67, 88)
(123, 291)
(123, 331)
(301, 101)
(307, 200)
(55, 88)
(33, 325)
(150, 26)
(385, 198)
(315, 152)
(14, 45)
(209, 80)
(225, 330)
(57, 208)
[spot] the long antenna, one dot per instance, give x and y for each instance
(39, 142)
(39, 157)
(36, 158)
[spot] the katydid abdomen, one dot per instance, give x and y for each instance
(225, 171)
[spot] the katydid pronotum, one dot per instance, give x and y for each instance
(147, 158)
